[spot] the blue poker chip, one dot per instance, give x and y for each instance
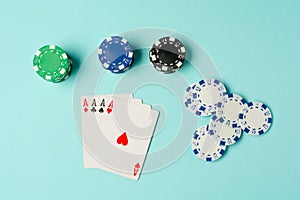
(228, 110)
(255, 118)
(207, 147)
(201, 98)
(115, 54)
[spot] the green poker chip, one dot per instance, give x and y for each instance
(52, 63)
(66, 76)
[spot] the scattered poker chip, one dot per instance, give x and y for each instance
(202, 98)
(227, 134)
(207, 147)
(189, 100)
(228, 110)
(52, 63)
(255, 118)
(232, 116)
(167, 55)
(115, 54)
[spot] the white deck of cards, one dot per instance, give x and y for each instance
(116, 133)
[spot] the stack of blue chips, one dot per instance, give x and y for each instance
(115, 54)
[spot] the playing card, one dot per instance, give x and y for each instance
(137, 101)
(129, 127)
(114, 149)
(134, 118)
(101, 104)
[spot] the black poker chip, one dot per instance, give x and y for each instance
(167, 55)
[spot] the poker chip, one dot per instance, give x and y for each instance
(115, 54)
(67, 75)
(231, 116)
(167, 55)
(255, 118)
(202, 97)
(52, 63)
(189, 100)
(228, 110)
(227, 134)
(207, 147)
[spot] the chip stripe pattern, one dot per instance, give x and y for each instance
(221, 114)
(236, 133)
(259, 130)
(199, 137)
(194, 102)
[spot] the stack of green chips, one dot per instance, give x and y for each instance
(52, 64)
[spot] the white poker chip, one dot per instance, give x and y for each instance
(202, 97)
(228, 110)
(255, 118)
(227, 134)
(207, 147)
(188, 99)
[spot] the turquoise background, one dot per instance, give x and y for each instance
(255, 45)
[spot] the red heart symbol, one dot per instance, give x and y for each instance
(109, 110)
(122, 139)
